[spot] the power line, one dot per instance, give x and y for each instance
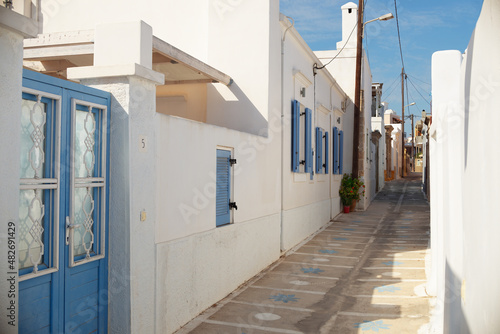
(407, 96)
(392, 91)
(422, 81)
(419, 92)
(391, 85)
(420, 89)
(423, 89)
(413, 99)
(399, 35)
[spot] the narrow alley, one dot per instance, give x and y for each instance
(363, 273)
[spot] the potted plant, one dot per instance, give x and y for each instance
(358, 188)
(351, 189)
(346, 192)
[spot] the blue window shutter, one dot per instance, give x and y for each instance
(335, 151)
(341, 151)
(295, 135)
(223, 194)
(308, 143)
(327, 153)
(319, 150)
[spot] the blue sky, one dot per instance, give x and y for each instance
(426, 26)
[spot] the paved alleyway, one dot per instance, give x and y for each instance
(364, 273)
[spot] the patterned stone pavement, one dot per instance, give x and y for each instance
(363, 273)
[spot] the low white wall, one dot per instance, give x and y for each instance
(199, 270)
(481, 212)
(299, 223)
(446, 221)
(186, 174)
(465, 181)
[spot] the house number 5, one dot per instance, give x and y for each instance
(143, 144)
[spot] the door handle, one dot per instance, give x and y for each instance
(69, 228)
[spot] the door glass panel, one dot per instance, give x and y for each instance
(88, 181)
(33, 116)
(84, 144)
(31, 228)
(84, 217)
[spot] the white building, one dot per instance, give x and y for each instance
(465, 181)
(378, 138)
(390, 118)
(199, 146)
(344, 68)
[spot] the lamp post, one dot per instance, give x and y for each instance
(403, 158)
(357, 89)
(385, 17)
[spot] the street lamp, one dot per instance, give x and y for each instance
(385, 17)
(357, 89)
(403, 139)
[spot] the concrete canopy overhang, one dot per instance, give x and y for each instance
(54, 53)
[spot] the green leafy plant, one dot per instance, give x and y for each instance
(351, 188)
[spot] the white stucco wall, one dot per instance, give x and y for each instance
(464, 175)
(378, 124)
(195, 272)
(166, 18)
(243, 47)
(396, 150)
(13, 29)
(481, 177)
(187, 160)
(11, 46)
(446, 221)
(244, 117)
(367, 112)
(308, 203)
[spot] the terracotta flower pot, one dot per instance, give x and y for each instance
(353, 205)
(346, 208)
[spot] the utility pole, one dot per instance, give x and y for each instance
(412, 144)
(357, 92)
(403, 160)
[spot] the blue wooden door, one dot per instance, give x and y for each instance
(63, 207)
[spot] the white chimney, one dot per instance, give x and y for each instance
(349, 21)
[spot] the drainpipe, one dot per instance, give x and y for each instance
(283, 127)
